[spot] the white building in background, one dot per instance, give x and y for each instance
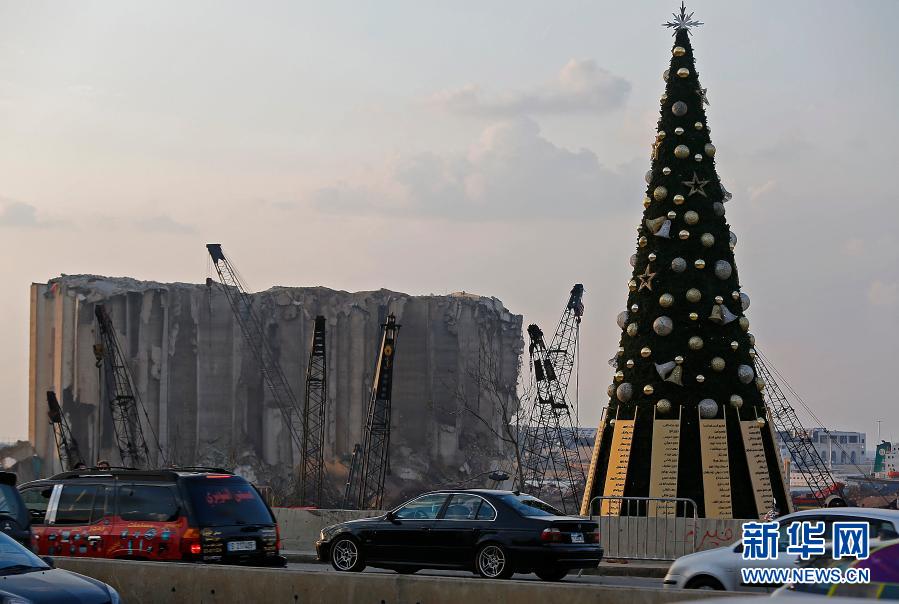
(843, 453)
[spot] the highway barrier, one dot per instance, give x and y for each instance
(169, 583)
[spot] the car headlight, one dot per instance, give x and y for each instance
(113, 595)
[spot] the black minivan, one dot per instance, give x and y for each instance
(14, 519)
(179, 514)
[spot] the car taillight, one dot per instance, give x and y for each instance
(596, 535)
(190, 543)
(551, 535)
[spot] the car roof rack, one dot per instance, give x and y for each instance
(199, 469)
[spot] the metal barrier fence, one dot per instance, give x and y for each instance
(645, 528)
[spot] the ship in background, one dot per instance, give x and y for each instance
(884, 476)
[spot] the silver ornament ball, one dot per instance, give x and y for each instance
(723, 269)
(624, 392)
(745, 373)
(663, 326)
(708, 408)
(679, 108)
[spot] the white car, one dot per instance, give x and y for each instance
(719, 568)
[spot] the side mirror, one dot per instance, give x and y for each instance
(48, 561)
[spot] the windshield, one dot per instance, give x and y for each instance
(11, 505)
(530, 506)
(227, 502)
(15, 558)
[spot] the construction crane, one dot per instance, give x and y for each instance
(562, 351)
(69, 455)
(314, 415)
(117, 384)
(365, 484)
(825, 491)
(253, 330)
(550, 455)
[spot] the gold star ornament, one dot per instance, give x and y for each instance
(646, 279)
(696, 185)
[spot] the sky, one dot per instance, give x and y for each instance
(429, 147)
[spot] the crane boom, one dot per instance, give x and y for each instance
(550, 454)
(69, 455)
(253, 331)
(803, 453)
(314, 415)
(365, 486)
(120, 394)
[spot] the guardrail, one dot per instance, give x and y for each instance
(646, 528)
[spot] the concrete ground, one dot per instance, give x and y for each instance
(592, 579)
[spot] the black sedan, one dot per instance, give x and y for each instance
(493, 533)
(26, 578)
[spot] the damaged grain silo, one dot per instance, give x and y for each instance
(458, 356)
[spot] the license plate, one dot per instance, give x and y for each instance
(577, 537)
(241, 546)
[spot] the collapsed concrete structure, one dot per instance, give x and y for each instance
(205, 397)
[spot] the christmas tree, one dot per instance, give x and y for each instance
(686, 416)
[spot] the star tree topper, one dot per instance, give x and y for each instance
(682, 21)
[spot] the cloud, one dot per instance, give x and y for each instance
(510, 173)
(163, 224)
(23, 215)
(581, 87)
(883, 294)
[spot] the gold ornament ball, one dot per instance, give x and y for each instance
(661, 134)
(635, 307)
(632, 329)
(672, 215)
(693, 295)
(665, 74)
(708, 240)
(760, 421)
(751, 339)
(718, 364)
(678, 51)
(663, 98)
(611, 422)
(632, 285)
(700, 378)
(682, 152)
(698, 157)
(666, 300)
(744, 323)
(684, 234)
(683, 72)
(698, 125)
(647, 389)
(699, 263)
(695, 343)
(735, 295)
(611, 389)
(678, 359)
(619, 376)
(736, 401)
(734, 345)
(652, 256)
(642, 241)
(630, 363)
(678, 131)
(760, 384)
(645, 352)
(691, 217)
(666, 170)
(719, 300)
(620, 351)
(678, 199)
(660, 193)
(646, 202)
(709, 149)
(752, 353)
(664, 405)
(694, 316)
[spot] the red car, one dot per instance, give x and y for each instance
(179, 515)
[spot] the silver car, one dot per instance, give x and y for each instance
(719, 568)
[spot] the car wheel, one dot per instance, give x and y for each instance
(705, 583)
(492, 562)
(346, 556)
(551, 574)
